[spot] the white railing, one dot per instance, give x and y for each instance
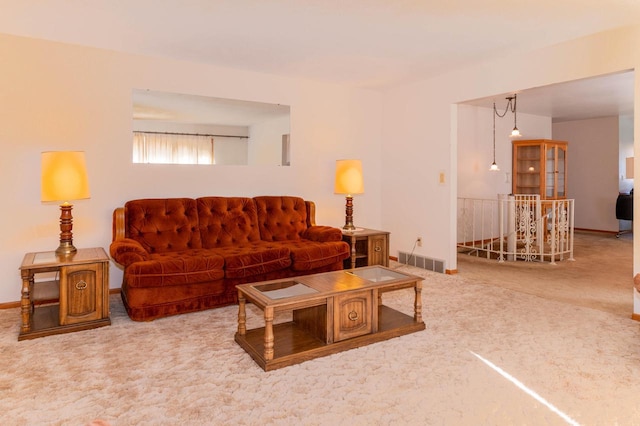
(516, 227)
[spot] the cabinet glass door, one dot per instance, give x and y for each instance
(540, 167)
(550, 172)
(555, 172)
(527, 180)
(561, 168)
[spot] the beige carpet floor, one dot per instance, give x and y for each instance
(600, 277)
(561, 363)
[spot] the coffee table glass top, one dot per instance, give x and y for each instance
(284, 289)
(281, 291)
(377, 274)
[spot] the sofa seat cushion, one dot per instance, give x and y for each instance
(307, 255)
(322, 233)
(254, 259)
(176, 268)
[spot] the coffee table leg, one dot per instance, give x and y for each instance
(418, 302)
(242, 316)
(268, 334)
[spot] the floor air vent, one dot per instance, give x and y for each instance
(427, 263)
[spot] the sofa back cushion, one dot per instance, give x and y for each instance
(163, 225)
(227, 221)
(281, 218)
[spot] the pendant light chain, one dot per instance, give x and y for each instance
(494, 166)
(511, 106)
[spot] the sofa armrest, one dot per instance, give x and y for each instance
(127, 251)
(322, 233)
(118, 224)
(311, 213)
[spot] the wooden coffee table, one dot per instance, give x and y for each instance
(332, 312)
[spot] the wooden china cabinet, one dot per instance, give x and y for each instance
(540, 167)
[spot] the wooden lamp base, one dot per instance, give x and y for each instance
(66, 247)
(348, 219)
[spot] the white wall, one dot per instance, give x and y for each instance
(61, 97)
(625, 148)
(592, 170)
(420, 131)
(475, 148)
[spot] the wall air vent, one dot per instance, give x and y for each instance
(422, 262)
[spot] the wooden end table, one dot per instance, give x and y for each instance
(368, 247)
(77, 298)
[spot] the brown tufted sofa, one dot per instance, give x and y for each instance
(183, 255)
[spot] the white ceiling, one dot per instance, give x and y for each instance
(363, 43)
(603, 96)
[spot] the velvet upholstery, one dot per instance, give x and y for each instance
(322, 233)
(146, 304)
(308, 255)
(227, 221)
(281, 218)
(128, 251)
(176, 268)
(258, 258)
(183, 255)
(163, 225)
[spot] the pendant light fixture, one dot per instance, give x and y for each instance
(515, 133)
(494, 166)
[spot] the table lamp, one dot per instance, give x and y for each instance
(349, 181)
(64, 178)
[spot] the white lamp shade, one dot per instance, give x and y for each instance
(349, 177)
(64, 176)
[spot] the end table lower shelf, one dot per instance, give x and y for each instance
(45, 322)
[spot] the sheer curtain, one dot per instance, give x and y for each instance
(163, 148)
